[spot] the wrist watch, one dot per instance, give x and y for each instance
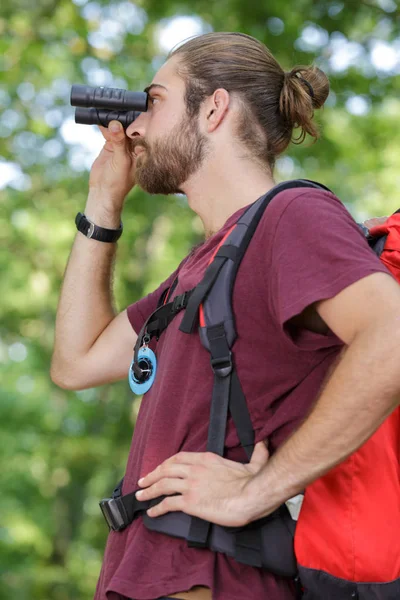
(94, 232)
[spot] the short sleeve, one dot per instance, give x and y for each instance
(140, 311)
(318, 250)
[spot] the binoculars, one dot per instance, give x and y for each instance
(100, 105)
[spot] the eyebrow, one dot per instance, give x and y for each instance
(153, 86)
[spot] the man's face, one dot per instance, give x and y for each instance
(169, 145)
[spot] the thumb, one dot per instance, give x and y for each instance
(117, 137)
(260, 456)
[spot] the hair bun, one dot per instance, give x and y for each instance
(306, 83)
(304, 89)
(270, 102)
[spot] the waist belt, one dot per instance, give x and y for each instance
(265, 543)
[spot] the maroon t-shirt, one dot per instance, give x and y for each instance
(306, 248)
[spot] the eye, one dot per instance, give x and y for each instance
(153, 100)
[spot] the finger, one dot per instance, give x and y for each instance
(165, 470)
(182, 458)
(185, 460)
(104, 132)
(170, 504)
(118, 139)
(164, 487)
(195, 458)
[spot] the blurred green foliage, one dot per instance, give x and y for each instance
(62, 451)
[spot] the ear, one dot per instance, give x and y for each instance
(216, 107)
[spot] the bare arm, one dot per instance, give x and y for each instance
(93, 345)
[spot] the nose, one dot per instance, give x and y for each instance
(137, 127)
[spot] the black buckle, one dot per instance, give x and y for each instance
(222, 366)
(179, 302)
(114, 513)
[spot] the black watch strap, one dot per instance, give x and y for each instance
(90, 230)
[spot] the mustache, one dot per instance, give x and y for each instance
(137, 143)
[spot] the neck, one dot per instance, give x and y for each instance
(217, 191)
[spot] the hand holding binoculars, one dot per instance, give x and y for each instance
(100, 105)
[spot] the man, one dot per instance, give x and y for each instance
(310, 299)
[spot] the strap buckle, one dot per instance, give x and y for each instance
(222, 365)
(179, 302)
(114, 513)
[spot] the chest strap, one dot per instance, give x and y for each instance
(157, 322)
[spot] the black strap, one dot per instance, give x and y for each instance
(167, 293)
(248, 546)
(95, 232)
(219, 347)
(199, 293)
(131, 505)
(240, 415)
(218, 415)
(157, 322)
(248, 539)
(199, 532)
(228, 251)
(119, 511)
(221, 362)
(134, 507)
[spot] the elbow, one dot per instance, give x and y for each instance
(64, 385)
(60, 375)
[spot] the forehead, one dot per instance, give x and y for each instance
(168, 77)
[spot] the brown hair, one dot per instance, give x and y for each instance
(273, 102)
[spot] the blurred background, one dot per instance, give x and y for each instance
(62, 451)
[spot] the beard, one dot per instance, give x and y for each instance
(165, 164)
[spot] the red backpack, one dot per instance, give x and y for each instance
(347, 539)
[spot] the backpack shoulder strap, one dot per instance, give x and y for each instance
(213, 298)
